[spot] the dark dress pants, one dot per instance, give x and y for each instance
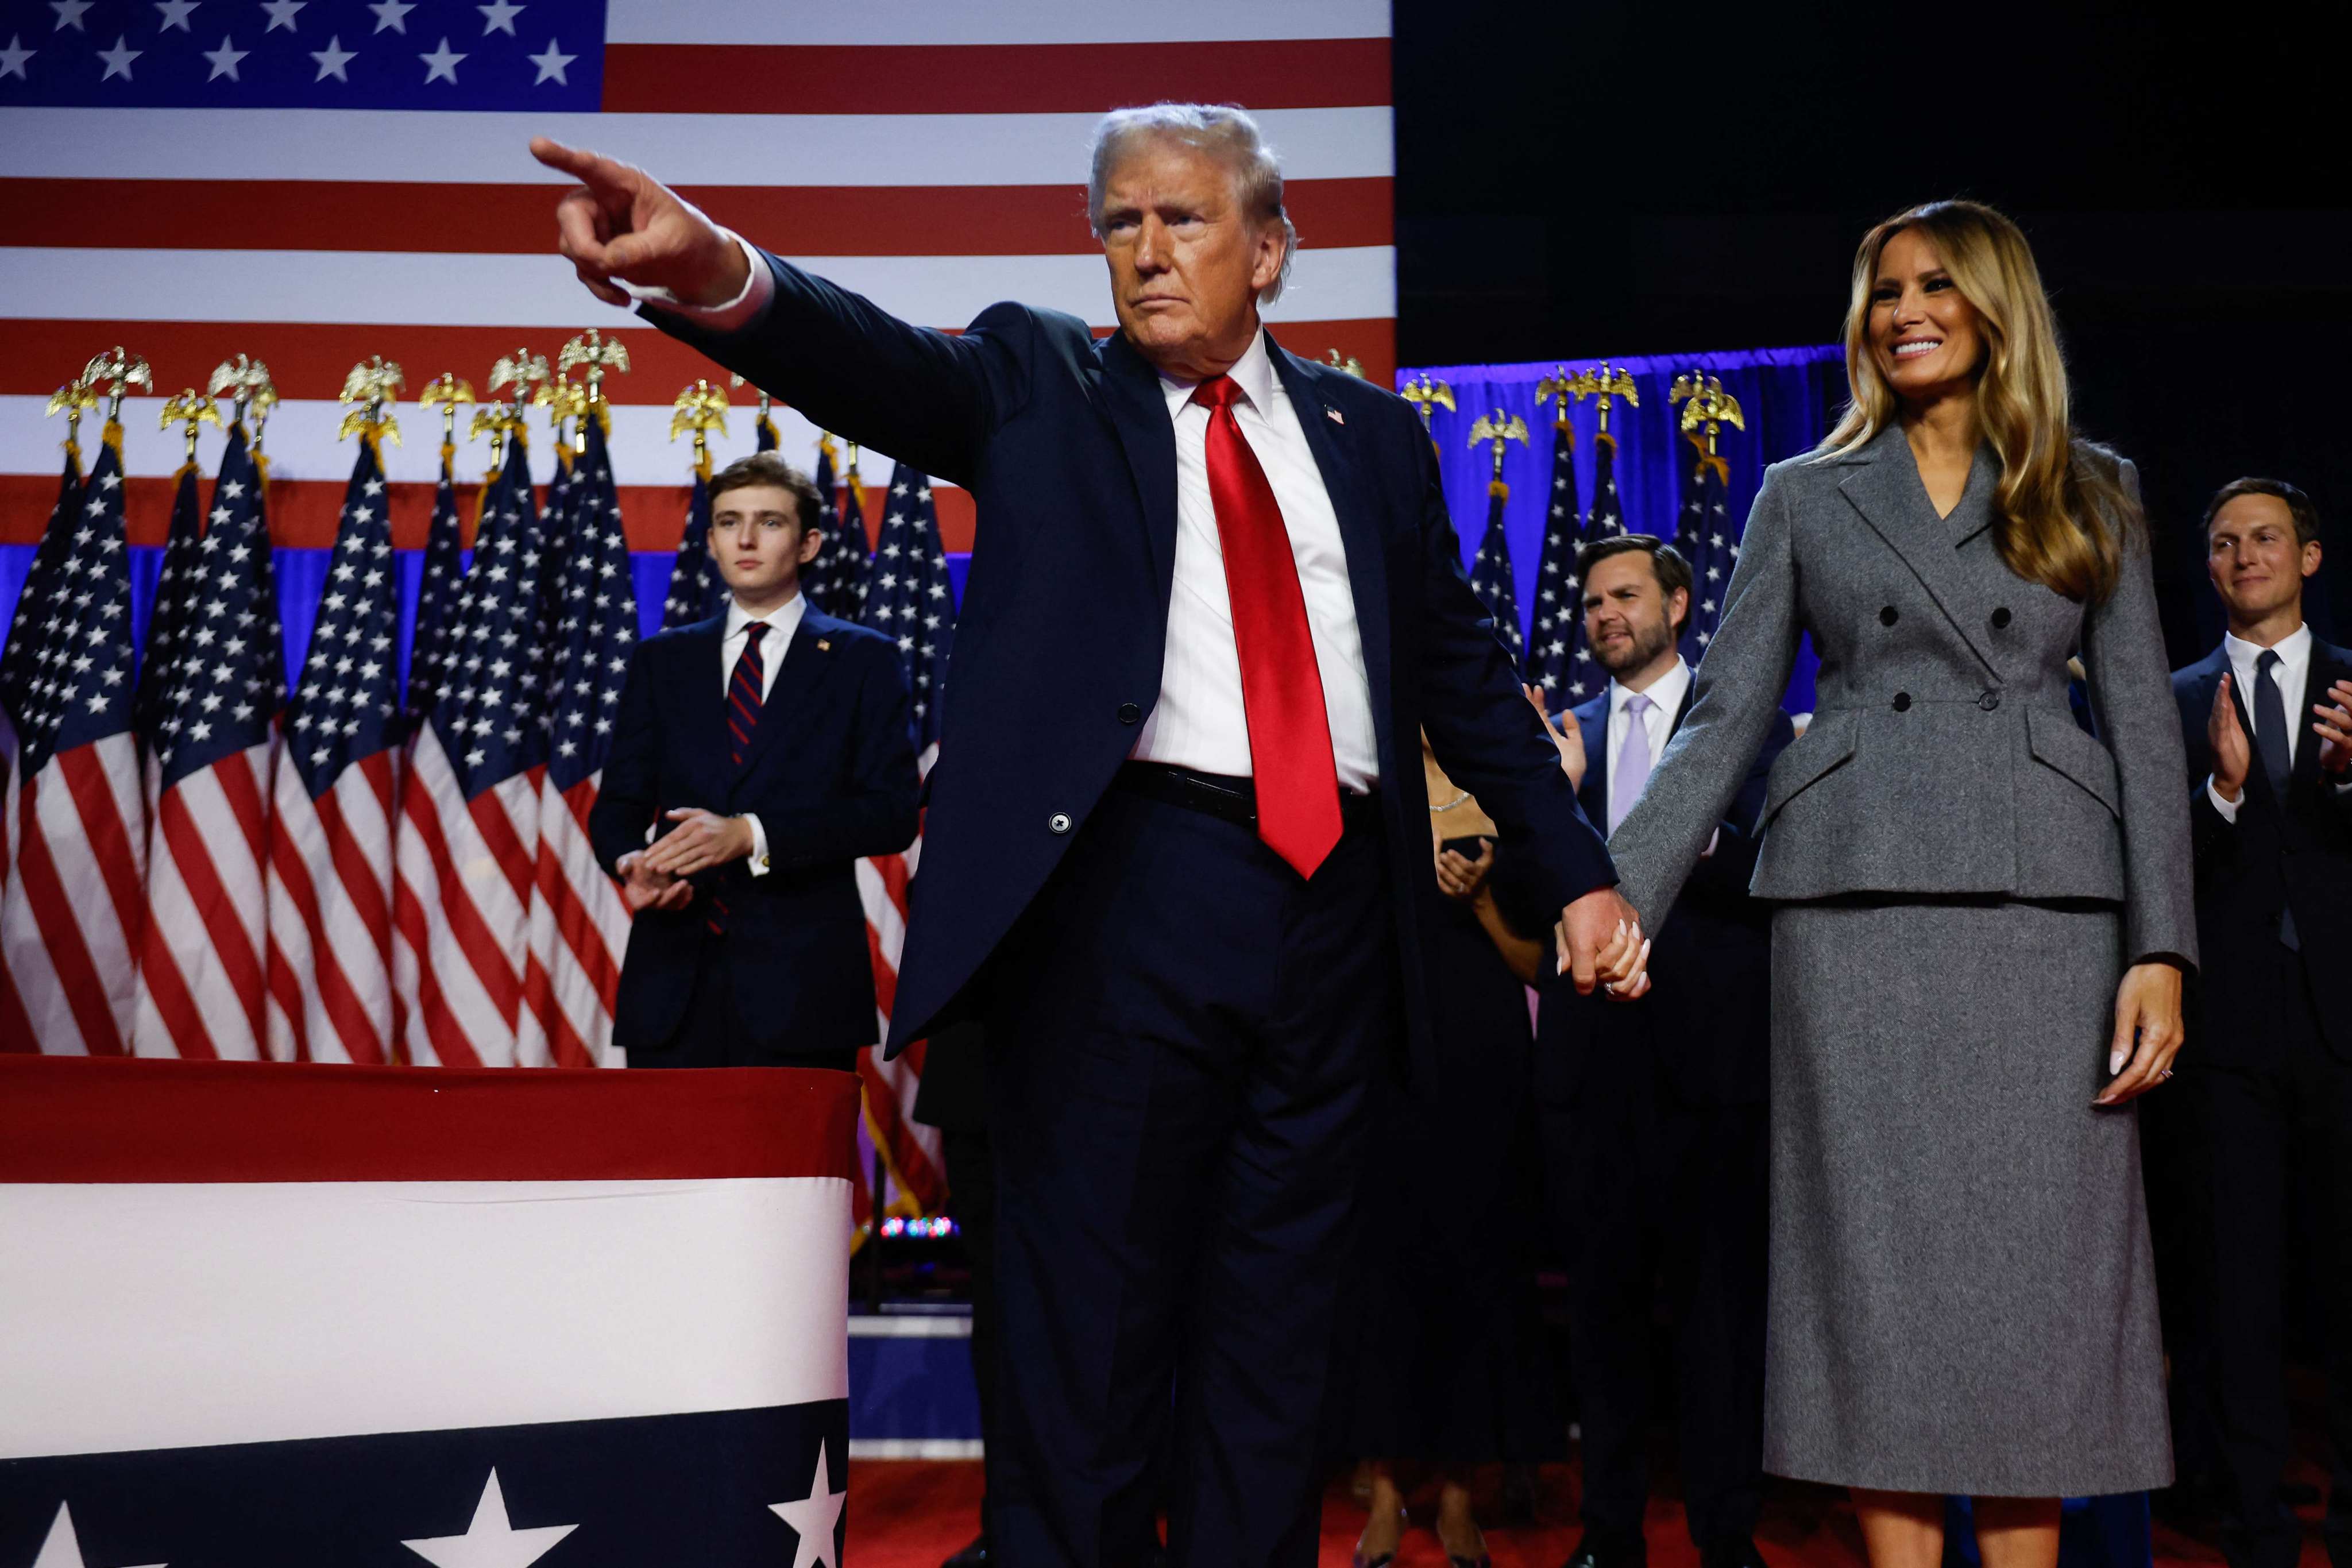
(1662, 1203)
(712, 1034)
(971, 1198)
(1181, 1039)
(2275, 1144)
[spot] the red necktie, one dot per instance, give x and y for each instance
(743, 700)
(1298, 786)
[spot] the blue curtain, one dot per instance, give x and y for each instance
(1789, 398)
(300, 574)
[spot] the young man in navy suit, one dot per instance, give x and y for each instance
(757, 757)
(2266, 1085)
(1655, 1113)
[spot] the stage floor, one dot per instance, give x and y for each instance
(912, 1513)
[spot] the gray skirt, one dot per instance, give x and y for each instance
(1962, 1298)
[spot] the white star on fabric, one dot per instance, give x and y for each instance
(224, 61)
(498, 18)
(333, 59)
(69, 13)
(13, 57)
(551, 65)
(393, 15)
(175, 15)
(63, 1548)
(282, 14)
(441, 65)
(490, 1542)
(118, 58)
(814, 1519)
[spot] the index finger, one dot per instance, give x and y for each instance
(592, 169)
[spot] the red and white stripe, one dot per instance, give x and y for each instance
(910, 1149)
(330, 916)
(73, 906)
(579, 932)
(461, 902)
(202, 969)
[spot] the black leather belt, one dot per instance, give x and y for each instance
(1225, 796)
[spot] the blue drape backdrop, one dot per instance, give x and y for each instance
(1789, 398)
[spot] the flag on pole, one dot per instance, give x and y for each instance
(159, 663)
(203, 955)
(910, 599)
(1490, 573)
(466, 849)
(436, 598)
(331, 855)
(35, 611)
(1559, 636)
(72, 903)
(579, 924)
(836, 580)
(1707, 540)
(695, 585)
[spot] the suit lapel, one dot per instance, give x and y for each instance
(1594, 795)
(1139, 413)
(1885, 488)
(702, 706)
(806, 662)
(1359, 533)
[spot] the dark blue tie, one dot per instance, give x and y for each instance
(2270, 745)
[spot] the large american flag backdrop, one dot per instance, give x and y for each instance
(316, 181)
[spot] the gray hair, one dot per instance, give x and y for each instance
(1214, 128)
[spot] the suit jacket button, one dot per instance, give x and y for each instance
(1059, 822)
(1903, 702)
(1129, 713)
(2001, 617)
(1888, 616)
(1988, 701)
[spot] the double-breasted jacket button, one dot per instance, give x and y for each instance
(1903, 702)
(1129, 713)
(2000, 618)
(1889, 615)
(1059, 822)
(1990, 701)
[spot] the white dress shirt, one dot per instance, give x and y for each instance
(1665, 695)
(781, 623)
(1199, 721)
(2291, 675)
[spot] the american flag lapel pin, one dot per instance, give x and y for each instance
(1337, 419)
(823, 644)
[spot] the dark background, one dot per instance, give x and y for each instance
(1604, 177)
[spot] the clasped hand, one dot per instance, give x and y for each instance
(656, 878)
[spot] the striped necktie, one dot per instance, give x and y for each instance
(743, 700)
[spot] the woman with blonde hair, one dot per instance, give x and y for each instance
(1982, 913)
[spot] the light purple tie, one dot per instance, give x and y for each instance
(1633, 769)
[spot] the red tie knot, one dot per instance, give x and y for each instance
(754, 631)
(1217, 392)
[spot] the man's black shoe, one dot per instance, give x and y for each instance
(972, 1556)
(1600, 1553)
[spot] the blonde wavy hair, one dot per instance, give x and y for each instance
(2061, 511)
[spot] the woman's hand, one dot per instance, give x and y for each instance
(1567, 737)
(1459, 879)
(2148, 1032)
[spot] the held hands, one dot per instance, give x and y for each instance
(2233, 754)
(2333, 720)
(2148, 1032)
(642, 888)
(622, 223)
(1567, 737)
(1600, 942)
(702, 840)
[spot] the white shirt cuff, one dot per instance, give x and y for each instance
(758, 859)
(2227, 808)
(759, 291)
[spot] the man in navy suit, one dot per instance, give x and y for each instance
(2266, 1086)
(1176, 818)
(1654, 1125)
(757, 757)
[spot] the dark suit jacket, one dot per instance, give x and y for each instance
(1068, 449)
(1707, 1024)
(831, 776)
(2292, 854)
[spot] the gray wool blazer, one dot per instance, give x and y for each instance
(1943, 757)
